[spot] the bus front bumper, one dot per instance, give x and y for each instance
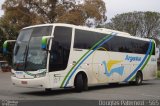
(31, 83)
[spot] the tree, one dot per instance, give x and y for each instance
(142, 24)
(22, 13)
(41, 8)
(89, 13)
(1, 39)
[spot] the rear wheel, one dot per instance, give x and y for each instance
(139, 78)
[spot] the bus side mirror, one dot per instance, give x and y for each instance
(6, 46)
(44, 42)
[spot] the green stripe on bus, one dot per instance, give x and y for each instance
(83, 57)
(146, 61)
(148, 57)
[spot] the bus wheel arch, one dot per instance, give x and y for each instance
(81, 81)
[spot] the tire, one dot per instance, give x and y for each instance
(132, 82)
(114, 84)
(79, 83)
(139, 78)
(85, 86)
(48, 89)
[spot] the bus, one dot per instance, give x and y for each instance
(61, 55)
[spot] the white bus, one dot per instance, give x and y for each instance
(62, 55)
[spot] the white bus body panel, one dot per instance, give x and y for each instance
(97, 67)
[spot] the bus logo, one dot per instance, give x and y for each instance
(109, 70)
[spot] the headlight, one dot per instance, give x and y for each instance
(13, 73)
(40, 75)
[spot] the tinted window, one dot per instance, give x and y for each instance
(60, 48)
(86, 39)
(127, 45)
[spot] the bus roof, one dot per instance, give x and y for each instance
(100, 30)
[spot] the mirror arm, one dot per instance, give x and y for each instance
(5, 45)
(44, 42)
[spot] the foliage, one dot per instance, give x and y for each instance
(1, 39)
(141, 24)
(81, 13)
(22, 13)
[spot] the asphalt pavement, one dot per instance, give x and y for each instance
(150, 90)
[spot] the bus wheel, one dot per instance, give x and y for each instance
(85, 85)
(48, 89)
(139, 78)
(79, 84)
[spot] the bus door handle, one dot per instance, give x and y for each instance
(57, 75)
(74, 62)
(78, 50)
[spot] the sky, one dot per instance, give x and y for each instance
(1, 12)
(121, 6)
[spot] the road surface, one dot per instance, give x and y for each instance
(149, 90)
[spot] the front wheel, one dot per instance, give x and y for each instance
(79, 83)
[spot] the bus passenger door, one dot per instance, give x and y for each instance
(55, 67)
(59, 54)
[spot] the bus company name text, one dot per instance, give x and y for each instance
(132, 58)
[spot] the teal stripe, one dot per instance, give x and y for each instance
(143, 61)
(148, 58)
(142, 68)
(86, 58)
(62, 84)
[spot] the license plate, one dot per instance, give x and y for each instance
(24, 82)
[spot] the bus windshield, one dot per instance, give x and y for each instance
(28, 55)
